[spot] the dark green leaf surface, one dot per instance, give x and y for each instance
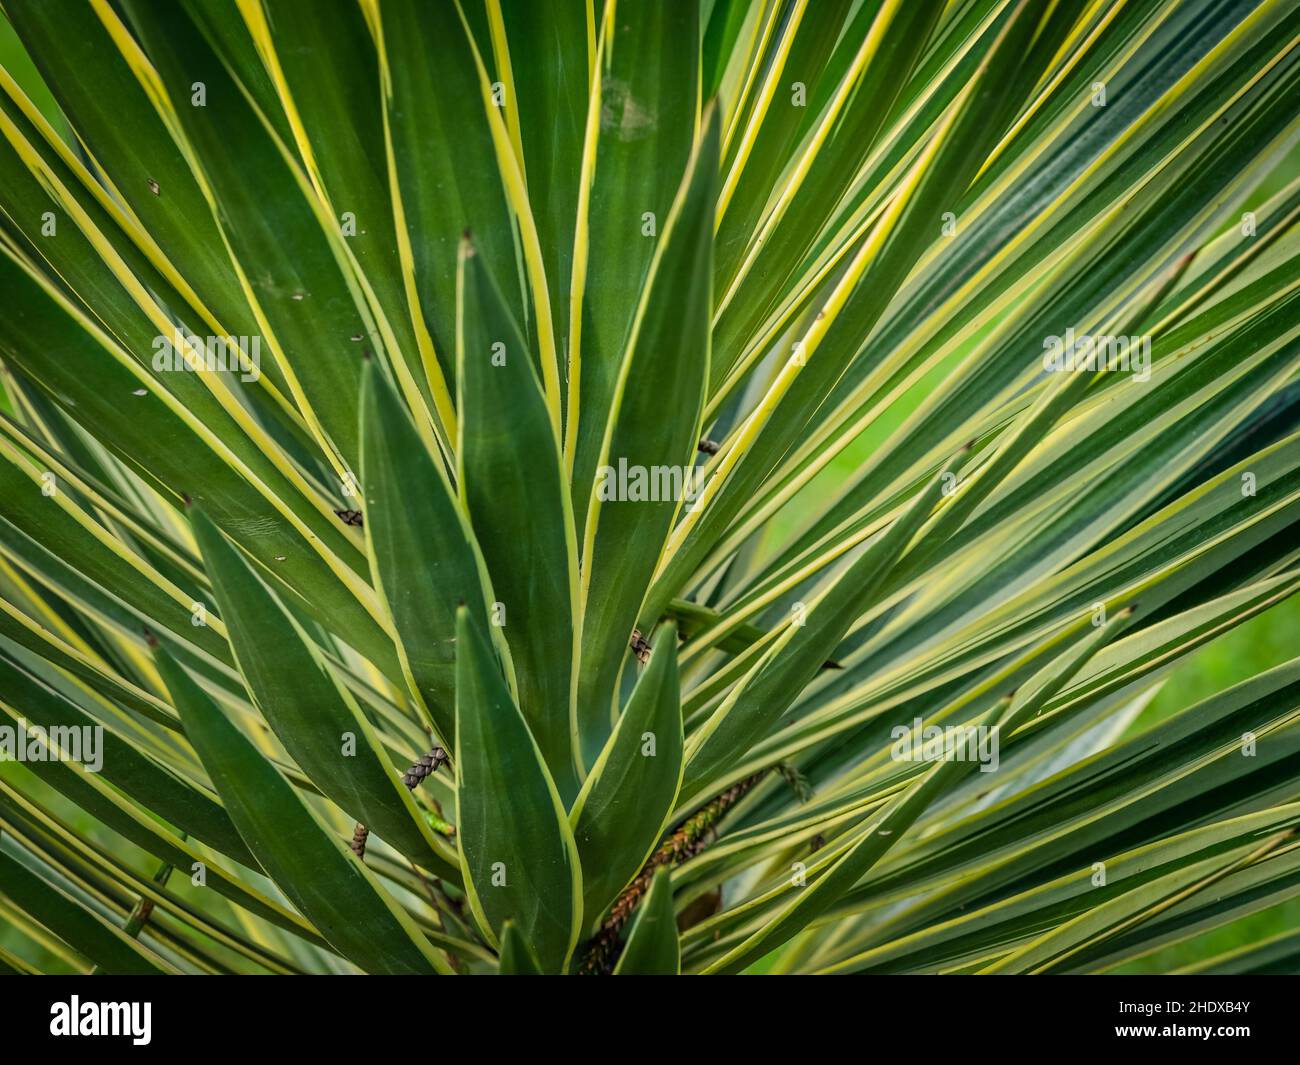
(433, 95)
(763, 695)
(414, 526)
(516, 957)
(306, 301)
(309, 711)
(802, 250)
(626, 800)
(512, 483)
(653, 427)
(85, 932)
(122, 764)
(639, 137)
(514, 840)
(652, 948)
(313, 867)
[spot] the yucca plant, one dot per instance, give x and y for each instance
(582, 487)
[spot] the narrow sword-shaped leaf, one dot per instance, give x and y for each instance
(512, 483)
(652, 946)
(287, 251)
(112, 113)
(550, 68)
(81, 367)
(122, 764)
(322, 59)
(101, 801)
(650, 438)
(313, 867)
(313, 715)
(640, 128)
(880, 264)
(758, 702)
(520, 860)
(433, 96)
(84, 931)
(1049, 952)
(516, 957)
(423, 557)
(632, 788)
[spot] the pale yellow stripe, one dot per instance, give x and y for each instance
(259, 29)
(505, 75)
(362, 591)
(751, 76)
(512, 179)
(770, 84)
(582, 237)
(754, 424)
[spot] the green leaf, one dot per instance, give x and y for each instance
(653, 426)
(12, 965)
(516, 957)
(313, 867)
(796, 655)
(725, 21)
(986, 932)
(23, 631)
(84, 931)
(641, 126)
(908, 197)
(84, 370)
(1276, 955)
(138, 825)
(885, 829)
(1050, 951)
(313, 715)
(512, 483)
(844, 138)
(520, 860)
(111, 111)
(122, 764)
(797, 75)
(831, 334)
(60, 526)
(288, 251)
(652, 946)
(423, 556)
(627, 799)
(433, 95)
(550, 67)
(329, 79)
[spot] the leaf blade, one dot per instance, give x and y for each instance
(321, 877)
(628, 796)
(313, 715)
(653, 947)
(515, 843)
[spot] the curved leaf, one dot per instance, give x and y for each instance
(516, 957)
(423, 557)
(651, 433)
(86, 932)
